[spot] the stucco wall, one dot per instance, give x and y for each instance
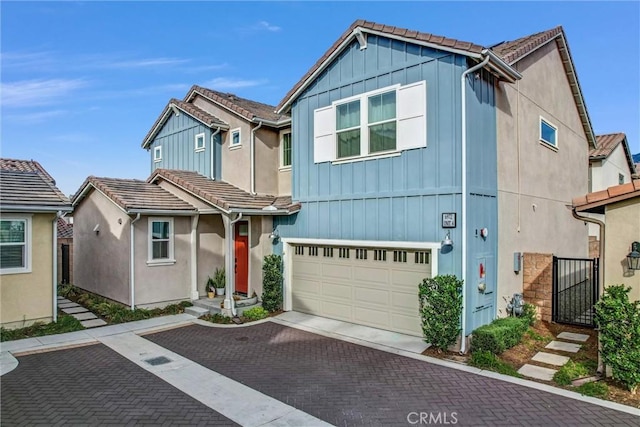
(536, 182)
(260, 246)
(101, 260)
(623, 227)
(210, 248)
(28, 297)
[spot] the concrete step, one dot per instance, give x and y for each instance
(537, 372)
(213, 305)
(563, 346)
(196, 311)
(570, 336)
(92, 323)
(550, 359)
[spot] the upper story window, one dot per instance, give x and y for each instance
(378, 123)
(235, 138)
(199, 142)
(15, 244)
(620, 179)
(285, 150)
(548, 133)
(157, 153)
(161, 241)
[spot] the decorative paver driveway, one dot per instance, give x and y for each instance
(347, 384)
(94, 385)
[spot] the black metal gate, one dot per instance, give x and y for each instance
(65, 264)
(575, 290)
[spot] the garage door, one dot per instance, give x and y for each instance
(370, 286)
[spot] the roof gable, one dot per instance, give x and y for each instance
(607, 143)
(25, 185)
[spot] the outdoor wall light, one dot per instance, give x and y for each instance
(274, 236)
(633, 259)
(446, 245)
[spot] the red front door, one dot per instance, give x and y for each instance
(241, 240)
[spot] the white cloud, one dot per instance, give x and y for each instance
(143, 63)
(264, 25)
(35, 117)
(25, 60)
(37, 92)
(222, 83)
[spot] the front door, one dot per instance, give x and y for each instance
(242, 256)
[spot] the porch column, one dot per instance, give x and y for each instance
(229, 263)
(194, 257)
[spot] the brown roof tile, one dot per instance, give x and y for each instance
(595, 202)
(65, 229)
(134, 195)
(513, 50)
(222, 194)
(26, 183)
(24, 166)
(607, 143)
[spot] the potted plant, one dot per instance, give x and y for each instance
(211, 288)
(219, 281)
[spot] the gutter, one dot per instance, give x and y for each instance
(59, 214)
(132, 270)
(463, 82)
(160, 212)
(252, 150)
(262, 212)
(194, 257)
(498, 64)
(213, 135)
(27, 208)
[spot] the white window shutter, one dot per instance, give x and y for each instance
(324, 127)
(412, 116)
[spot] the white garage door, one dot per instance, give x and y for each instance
(369, 286)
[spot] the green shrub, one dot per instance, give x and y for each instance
(618, 320)
(499, 335)
(486, 360)
(64, 324)
(217, 318)
(569, 372)
(440, 309)
(529, 313)
(595, 389)
(255, 313)
(272, 283)
(67, 291)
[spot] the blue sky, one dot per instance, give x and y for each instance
(83, 82)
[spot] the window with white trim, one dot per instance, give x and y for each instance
(620, 179)
(199, 142)
(235, 139)
(548, 133)
(161, 240)
(285, 150)
(157, 153)
(15, 244)
(377, 123)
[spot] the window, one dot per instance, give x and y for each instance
(161, 240)
(620, 179)
(548, 133)
(285, 144)
(199, 143)
(382, 122)
(15, 245)
(157, 153)
(235, 140)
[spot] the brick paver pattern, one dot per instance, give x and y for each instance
(347, 384)
(94, 385)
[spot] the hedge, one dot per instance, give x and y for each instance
(499, 335)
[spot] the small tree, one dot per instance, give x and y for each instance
(272, 283)
(440, 309)
(618, 320)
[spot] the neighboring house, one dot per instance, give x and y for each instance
(620, 206)
(30, 205)
(403, 138)
(65, 250)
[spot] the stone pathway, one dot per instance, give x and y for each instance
(86, 318)
(546, 374)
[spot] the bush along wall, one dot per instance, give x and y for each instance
(440, 310)
(504, 333)
(272, 283)
(618, 320)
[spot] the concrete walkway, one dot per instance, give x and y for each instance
(86, 318)
(533, 370)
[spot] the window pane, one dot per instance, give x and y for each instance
(12, 231)
(160, 250)
(235, 138)
(286, 149)
(547, 133)
(382, 107)
(200, 142)
(382, 137)
(160, 230)
(348, 115)
(349, 143)
(12, 256)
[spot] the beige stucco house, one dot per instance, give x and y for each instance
(30, 205)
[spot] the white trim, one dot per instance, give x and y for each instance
(157, 154)
(161, 261)
(246, 219)
(281, 150)
(195, 142)
(28, 243)
(239, 144)
(553, 145)
(287, 252)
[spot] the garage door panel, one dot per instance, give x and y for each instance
(408, 324)
(305, 286)
(408, 278)
(371, 317)
(307, 305)
(307, 268)
(371, 296)
(337, 310)
(369, 273)
(405, 301)
(337, 290)
(337, 271)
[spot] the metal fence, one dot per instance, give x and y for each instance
(575, 290)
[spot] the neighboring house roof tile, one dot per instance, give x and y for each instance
(25, 183)
(194, 111)
(250, 110)
(222, 194)
(607, 143)
(133, 195)
(65, 229)
(595, 202)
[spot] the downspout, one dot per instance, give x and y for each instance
(463, 81)
(59, 214)
(229, 303)
(213, 136)
(132, 271)
(601, 369)
(252, 149)
(194, 257)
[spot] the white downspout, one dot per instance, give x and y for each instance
(132, 260)
(463, 81)
(59, 214)
(252, 149)
(229, 304)
(213, 136)
(194, 257)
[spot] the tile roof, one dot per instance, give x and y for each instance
(246, 108)
(607, 143)
(513, 50)
(194, 111)
(134, 195)
(222, 194)
(65, 229)
(25, 185)
(595, 202)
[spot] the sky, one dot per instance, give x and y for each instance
(83, 82)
